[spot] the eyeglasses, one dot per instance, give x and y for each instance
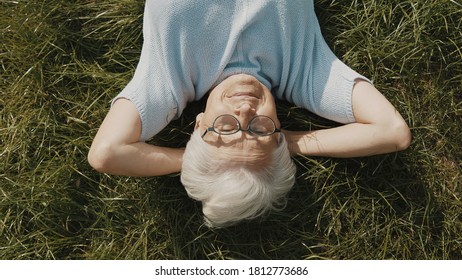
(228, 124)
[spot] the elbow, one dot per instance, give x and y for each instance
(401, 136)
(100, 157)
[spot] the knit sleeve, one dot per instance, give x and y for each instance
(332, 84)
(150, 88)
(324, 83)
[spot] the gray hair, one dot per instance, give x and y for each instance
(233, 193)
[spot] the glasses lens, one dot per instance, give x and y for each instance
(226, 124)
(262, 125)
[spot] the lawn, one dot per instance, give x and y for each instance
(63, 61)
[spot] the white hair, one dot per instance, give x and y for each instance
(230, 193)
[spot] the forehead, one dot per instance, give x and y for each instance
(255, 159)
(235, 150)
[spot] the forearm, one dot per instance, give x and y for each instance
(138, 159)
(351, 140)
(378, 129)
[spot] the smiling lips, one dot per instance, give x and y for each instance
(243, 86)
(243, 95)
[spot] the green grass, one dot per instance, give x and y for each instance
(63, 61)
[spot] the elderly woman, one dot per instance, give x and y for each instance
(240, 55)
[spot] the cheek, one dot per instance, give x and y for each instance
(213, 110)
(271, 112)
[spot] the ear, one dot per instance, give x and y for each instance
(198, 120)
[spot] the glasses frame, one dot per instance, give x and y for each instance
(239, 126)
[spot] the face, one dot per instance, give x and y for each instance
(244, 97)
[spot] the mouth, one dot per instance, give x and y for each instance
(243, 95)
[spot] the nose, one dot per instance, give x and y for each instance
(244, 113)
(245, 109)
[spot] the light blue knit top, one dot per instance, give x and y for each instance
(192, 45)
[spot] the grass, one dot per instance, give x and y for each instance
(63, 61)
